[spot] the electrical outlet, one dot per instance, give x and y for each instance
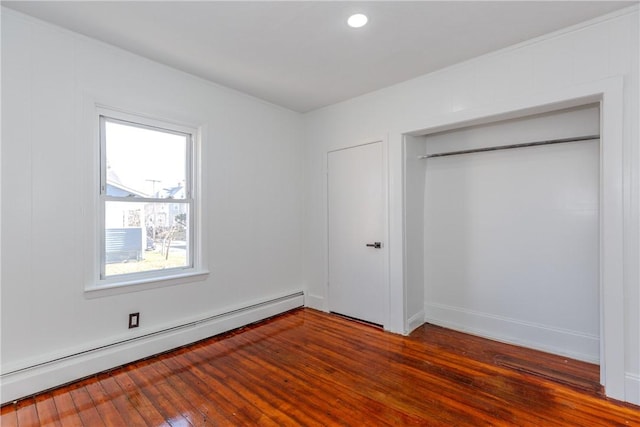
(134, 320)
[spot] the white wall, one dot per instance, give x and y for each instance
(252, 213)
(512, 237)
(261, 201)
(512, 246)
(585, 54)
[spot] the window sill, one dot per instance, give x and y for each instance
(97, 290)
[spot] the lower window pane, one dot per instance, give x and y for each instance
(141, 237)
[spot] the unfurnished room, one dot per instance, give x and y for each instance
(318, 213)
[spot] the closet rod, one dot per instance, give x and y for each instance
(507, 147)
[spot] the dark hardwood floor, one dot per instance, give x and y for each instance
(314, 369)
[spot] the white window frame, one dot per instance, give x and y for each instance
(100, 284)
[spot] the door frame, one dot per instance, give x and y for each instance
(384, 171)
(614, 177)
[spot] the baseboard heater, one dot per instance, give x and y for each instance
(159, 332)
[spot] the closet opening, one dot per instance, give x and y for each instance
(502, 230)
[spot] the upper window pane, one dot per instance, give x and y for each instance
(144, 162)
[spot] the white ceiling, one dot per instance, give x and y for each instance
(301, 55)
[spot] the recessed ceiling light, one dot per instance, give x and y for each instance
(358, 20)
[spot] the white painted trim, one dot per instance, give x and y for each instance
(632, 388)
(612, 239)
(315, 302)
(386, 209)
(415, 322)
(141, 284)
(405, 286)
(92, 108)
(539, 336)
(609, 92)
(155, 277)
(53, 371)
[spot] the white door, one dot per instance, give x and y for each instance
(356, 229)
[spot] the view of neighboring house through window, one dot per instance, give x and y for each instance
(146, 198)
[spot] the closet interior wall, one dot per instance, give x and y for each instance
(507, 242)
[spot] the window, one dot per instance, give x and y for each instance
(146, 199)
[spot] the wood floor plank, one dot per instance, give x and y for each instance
(67, 411)
(135, 394)
(216, 371)
(171, 395)
(231, 397)
(486, 351)
(121, 401)
(474, 379)
(171, 413)
(253, 386)
(343, 405)
(47, 410)
(207, 410)
(9, 415)
(474, 382)
(291, 367)
(375, 382)
(234, 411)
(282, 390)
(315, 369)
(104, 405)
(384, 374)
(84, 405)
(260, 384)
(27, 413)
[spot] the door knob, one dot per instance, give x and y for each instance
(376, 245)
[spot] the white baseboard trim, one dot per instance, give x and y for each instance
(632, 388)
(33, 379)
(568, 343)
(414, 322)
(315, 302)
